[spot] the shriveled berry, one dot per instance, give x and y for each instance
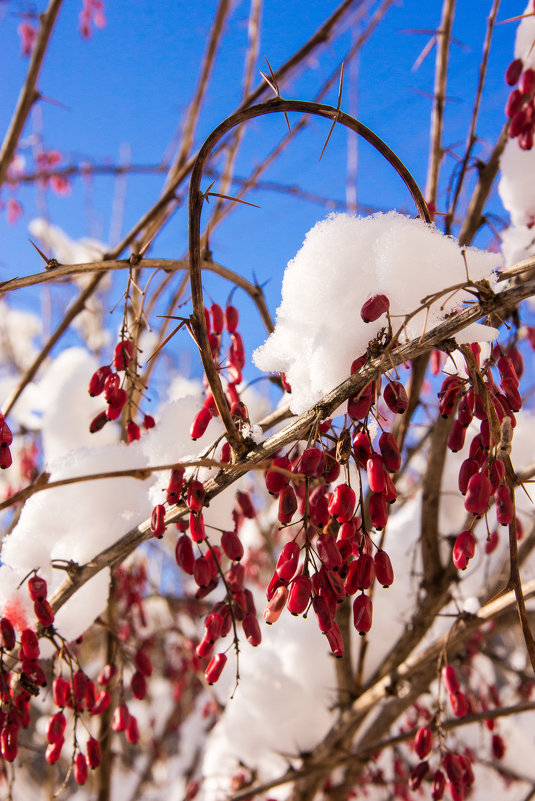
(7, 634)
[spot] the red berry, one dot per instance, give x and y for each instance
(374, 308)
(342, 503)
(231, 319)
(287, 505)
(450, 679)
(498, 747)
(513, 71)
(458, 704)
(97, 380)
(232, 546)
(37, 588)
(132, 730)
(80, 769)
(200, 423)
(423, 742)
(44, 613)
(98, 422)
(7, 634)
(94, 755)
(196, 527)
(390, 452)
(138, 684)
(121, 717)
(362, 614)
(30, 644)
(439, 785)
(335, 640)
(378, 510)
(376, 472)
(157, 521)
(464, 549)
(477, 494)
(53, 751)
(123, 353)
(275, 605)
(184, 554)
(143, 663)
(383, 569)
(133, 432)
(148, 421)
(288, 561)
(102, 702)
(218, 318)
(195, 496)
(395, 397)
(299, 595)
(251, 629)
(504, 505)
(527, 81)
(215, 668)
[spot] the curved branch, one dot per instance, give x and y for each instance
(196, 201)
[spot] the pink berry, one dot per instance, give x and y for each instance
(362, 613)
(215, 668)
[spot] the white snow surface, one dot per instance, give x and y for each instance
(344, 261)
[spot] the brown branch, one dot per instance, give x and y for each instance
(471, 138)
(487, 174)
(439, 100)
(29, 93)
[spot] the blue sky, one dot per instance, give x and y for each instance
(126, 89)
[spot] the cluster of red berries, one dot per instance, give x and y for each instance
(106, 380)
(482, 475)
(520, 106)
(202, 560)
(217, 321)
(337, 550)
(455, 770)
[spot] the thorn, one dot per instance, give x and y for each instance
(166, 340)
(45, 258)
(275, 86)
(228, 197)
(337, 115)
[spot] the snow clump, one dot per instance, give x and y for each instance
(344, 261)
